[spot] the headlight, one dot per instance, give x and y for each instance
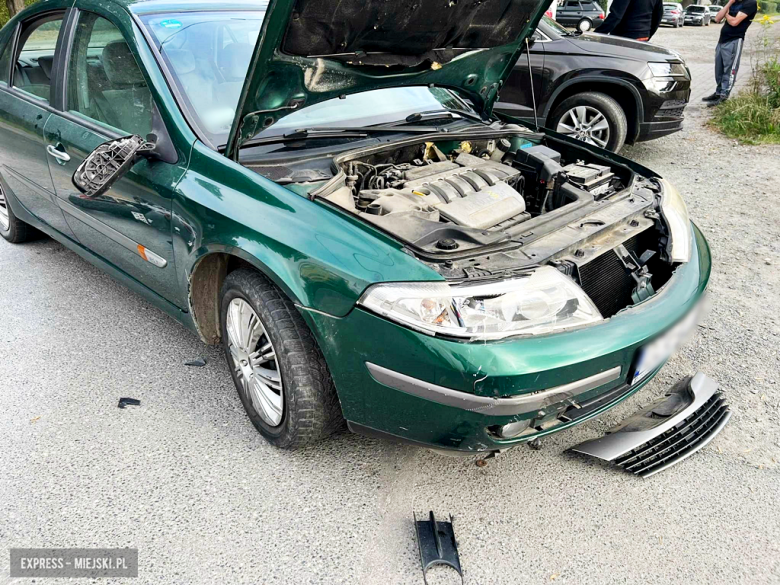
(675, 213)
(666, 69)
(543, 301)
(664, 75)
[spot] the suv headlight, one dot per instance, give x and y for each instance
(667, 69)
(541, 302)
(664, 75)
(675, 213)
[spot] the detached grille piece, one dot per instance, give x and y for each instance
(668, 431)
(688, 436)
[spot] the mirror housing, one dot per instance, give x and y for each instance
(109, 162)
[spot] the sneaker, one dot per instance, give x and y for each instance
(717, 102)
(711, 98)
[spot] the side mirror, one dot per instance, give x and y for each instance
(108, 163)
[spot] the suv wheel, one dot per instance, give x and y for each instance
(12, 229)
(277, 367)
(584, 25)
(592, 117)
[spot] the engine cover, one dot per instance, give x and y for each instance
(470, 191)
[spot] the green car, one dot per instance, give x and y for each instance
(321, 187)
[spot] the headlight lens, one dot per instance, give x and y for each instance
(667, 69)
(675, 213)
(664, 75)
(543, 301)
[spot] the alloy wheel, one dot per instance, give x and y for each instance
(5, 221)
(254, 361)
(585, 123)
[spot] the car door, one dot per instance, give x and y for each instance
(25, 105)
(515, 98)
(106, 95)
(573, 13)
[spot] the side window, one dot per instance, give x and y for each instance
(104, 81)
(36, 57)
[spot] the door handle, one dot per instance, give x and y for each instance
(58, 154)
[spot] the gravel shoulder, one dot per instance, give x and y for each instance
(187, 480)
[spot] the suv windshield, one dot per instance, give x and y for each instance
(207, 55)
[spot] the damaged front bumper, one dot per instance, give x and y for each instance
(398, 383)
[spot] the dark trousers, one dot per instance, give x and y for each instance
(727, 57)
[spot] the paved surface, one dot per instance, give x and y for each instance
(187, 480)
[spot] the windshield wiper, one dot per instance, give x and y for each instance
(343, 132)
(451, 114)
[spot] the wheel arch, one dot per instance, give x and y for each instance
(205, 281)
(621, 90)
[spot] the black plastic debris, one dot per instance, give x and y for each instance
(129, 402)
(437, 544)
(197, 363)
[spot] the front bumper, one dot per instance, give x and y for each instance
(539, 378)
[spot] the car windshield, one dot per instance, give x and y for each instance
(555, 26)
(207, 55)
(696, 9)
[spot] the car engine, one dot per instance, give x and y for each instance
(467, 191)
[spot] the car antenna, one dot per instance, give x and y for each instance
(531, 77)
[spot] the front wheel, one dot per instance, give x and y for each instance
(592, 117)
(584, 25)
(277, 367)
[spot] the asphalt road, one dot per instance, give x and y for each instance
(187, 480)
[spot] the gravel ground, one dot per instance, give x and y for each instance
(187, 480)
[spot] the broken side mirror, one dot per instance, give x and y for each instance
(109, 162)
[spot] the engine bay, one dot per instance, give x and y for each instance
(464, 194)
(492, 207)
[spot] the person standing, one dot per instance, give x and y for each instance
(738, 17)
(633, 19)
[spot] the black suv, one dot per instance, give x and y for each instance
(602, 89)
(583, 15)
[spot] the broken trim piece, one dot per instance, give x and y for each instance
(437, 544)
(670, 430)
(485, 404)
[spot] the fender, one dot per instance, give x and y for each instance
(590, 78)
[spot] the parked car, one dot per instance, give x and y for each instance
(714, 9)
(673, 14)
(580, 14)
(697, 15)
(346, 215)
(625, 91)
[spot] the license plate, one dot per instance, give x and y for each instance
(652, 355)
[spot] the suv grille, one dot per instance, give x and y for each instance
(682, 440)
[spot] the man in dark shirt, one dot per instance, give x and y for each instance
(633, 19)
(738, 15)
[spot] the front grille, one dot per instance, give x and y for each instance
(671, 113)
(683, 439)
(606, 282)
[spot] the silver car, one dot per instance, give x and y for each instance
(673, 14)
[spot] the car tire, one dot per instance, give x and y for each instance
(676, 25)
(309, 408)
(601, 103)
(585, 25)
(12, 228)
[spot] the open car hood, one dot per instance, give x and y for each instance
(309, 51)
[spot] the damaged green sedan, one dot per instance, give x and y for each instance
(322, 187)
